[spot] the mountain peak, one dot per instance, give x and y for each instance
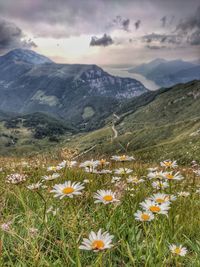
(26, 56)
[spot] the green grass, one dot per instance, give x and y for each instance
(58, 238)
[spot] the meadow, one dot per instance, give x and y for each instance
(150, 213)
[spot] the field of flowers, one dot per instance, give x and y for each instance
(106, 212)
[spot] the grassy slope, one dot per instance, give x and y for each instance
(165, 127)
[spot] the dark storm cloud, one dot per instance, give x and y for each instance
(190, 23)
(191, 28)
(121, 23)
(105, 40)
(164, 21)
(137, 24)
(12, 36)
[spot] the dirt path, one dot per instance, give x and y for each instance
(115, 132)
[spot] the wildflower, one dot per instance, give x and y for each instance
(105, 197)
(122, 171)
(102, 171)
(170, 176)
(86, 181)
(90, 165)
(122, 158)
(103, 162)
(115, 179)
(162, 198)
(33, 231)
(178, 250)
(51, 177)
(6, 226)
(169, 164)
(154, 207)
(134, 180)
(160, 185)
(61, 165)
(71, 164)
(68, 189)
(183, 194)
(97, 241)
(34, 186)
(52, 210)
(16, 178)
(144, 216)
(53, 168)
(155, 175)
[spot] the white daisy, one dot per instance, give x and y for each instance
(162, 198)
(134, 180)
(122, 158)
(102, 171)
(115, 179)
(122, 171)
(105, 197)
(53, 168)
(144, 216)
(103, 162)
(71, 164)
(178, 250)
(183, 194)
(68, 189)
(50, 177)
(160, 185)
(154, 207)
(34, 186)
(169, 164)
(62, 165)
(89, 165)
(170, 176)
(97, 241)
(155, 175)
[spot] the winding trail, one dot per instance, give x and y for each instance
(115, 132)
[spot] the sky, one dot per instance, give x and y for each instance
(102, 32)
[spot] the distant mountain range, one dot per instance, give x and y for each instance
(168, 73)
(81, 94)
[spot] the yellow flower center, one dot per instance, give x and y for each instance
(108, 198)
(102, 161)
(123, 157)
(160, 200)
(168, 163)
(154, 209)
(68, 190)
(98, 244)
(145, 217)
(170, 176)
(177, 250)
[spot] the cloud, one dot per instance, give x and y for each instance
(121, 23)
(156, 47)
(105, 40)
(12, 37)
(190, 23)
(194, 38)
(164, 21)
(137, 24)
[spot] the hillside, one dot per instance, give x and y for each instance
(30, 83)
(164, 124)
(31, 133)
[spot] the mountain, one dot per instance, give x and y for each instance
(82, 94)
(167, 73)
(25, 56)
(145, 68)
